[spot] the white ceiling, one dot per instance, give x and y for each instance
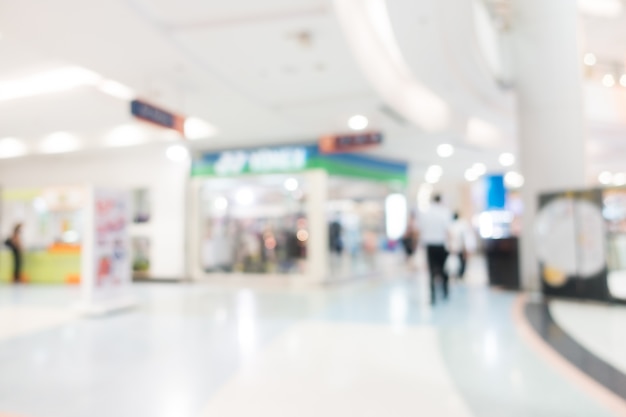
(269, 71)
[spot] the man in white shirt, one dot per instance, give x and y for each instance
(434, 225)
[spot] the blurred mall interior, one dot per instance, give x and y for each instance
(231, 208)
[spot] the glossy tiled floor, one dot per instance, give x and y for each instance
(371, 348)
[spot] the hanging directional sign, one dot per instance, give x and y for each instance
(155, 115)
(349, 142)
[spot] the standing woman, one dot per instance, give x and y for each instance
(14, 243)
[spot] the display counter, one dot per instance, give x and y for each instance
(57, 265)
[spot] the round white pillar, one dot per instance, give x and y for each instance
(548, 77)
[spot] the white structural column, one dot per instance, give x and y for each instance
(548, 78)
(317, 246)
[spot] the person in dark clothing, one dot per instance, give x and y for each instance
(14, 243)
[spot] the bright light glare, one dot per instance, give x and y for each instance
(486, 225)
(125, 135)
(12, 148)
(40, 205)
(117, 90)
(291, 184)
(608, 80)
(507, 159)
(221, 203)
(480, 169)
(245, 197)
(619, 179)
(513, 179)
(395, 216)
(196, 128)
(358, 122)
(54, 81)
(605, 178)
(433, 174)
(177, 153)
(470, 175)
(59, 142)
(622, 80)
(601, 8)
(445, 150)
(590, 59)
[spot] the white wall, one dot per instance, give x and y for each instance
(129, 168)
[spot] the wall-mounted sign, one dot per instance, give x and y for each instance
(155, 115)
(283, 159)
(349, 142)
(258, 161)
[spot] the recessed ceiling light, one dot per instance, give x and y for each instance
(608, 80)
(470, 175)
(605, 178)
(590, 59)
(177, 153)
(445, 150)
(507, 159)
(59, 142)
(479, 169)
(513, 179)
(619, 179)
(433, 174)
(358, 122)
(196, 128)
(12, 148)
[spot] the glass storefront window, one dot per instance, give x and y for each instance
(254, 225)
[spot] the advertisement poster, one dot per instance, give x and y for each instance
(571, 245)
(106, 257)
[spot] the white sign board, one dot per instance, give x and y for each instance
(106, 270)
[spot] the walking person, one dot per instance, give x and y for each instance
(409, 242)
(458, 237)
(14, 243)
(434, 225)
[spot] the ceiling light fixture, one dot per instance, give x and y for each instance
(53, 81)
(605, 178)
(507, 159)
(196, 128)
(117, 90)
(470, 175)
(358, 122)
(480, 169)
(177, 153)
(590, 59)
(608, 80)
(59, 142)
(445, 150)
(622, 80)
(513, 179)
(12, 148)
(619, 179)
(433, 174)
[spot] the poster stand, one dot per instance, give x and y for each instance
(106, 270)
